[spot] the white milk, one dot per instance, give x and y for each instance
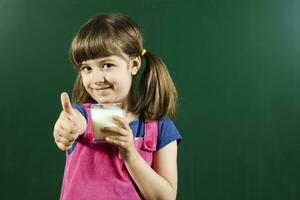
(102, 117)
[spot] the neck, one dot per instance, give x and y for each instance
(128, 103)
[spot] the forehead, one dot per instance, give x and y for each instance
(103, 59)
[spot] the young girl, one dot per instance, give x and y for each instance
(138, 158)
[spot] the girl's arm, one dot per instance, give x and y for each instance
(159, 182)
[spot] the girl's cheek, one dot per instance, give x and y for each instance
(113, 80)
(85, 82)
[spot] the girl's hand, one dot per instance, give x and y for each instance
(120, 136)
(69, 125)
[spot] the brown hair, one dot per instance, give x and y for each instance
(117, 34)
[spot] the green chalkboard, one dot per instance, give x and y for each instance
(236, 66)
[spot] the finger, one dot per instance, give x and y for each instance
(117, 137)
(121, 122)
(69, 136)
(64, 147)
(66, 124)
(66, 104)
(60, 139)
(61, 146)
(113, 131)
(115, 142)
(108, 133)
(69, 147)
(57, 131)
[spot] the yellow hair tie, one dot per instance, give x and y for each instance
(143, 52)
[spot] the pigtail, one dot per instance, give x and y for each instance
(157, 93)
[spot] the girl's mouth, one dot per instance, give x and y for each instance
(102, 88)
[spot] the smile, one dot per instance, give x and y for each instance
(102, 88)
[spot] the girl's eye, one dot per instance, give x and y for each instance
(107, 65)
(86, 68)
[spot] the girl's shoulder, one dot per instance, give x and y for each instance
(167, 132)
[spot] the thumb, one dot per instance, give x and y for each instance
(66, 104)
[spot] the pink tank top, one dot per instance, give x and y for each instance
(93, 171)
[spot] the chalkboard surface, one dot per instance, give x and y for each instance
(236, 66)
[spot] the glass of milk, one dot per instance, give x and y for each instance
(102, 117)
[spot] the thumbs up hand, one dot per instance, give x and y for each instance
(69, 125)
(66, 105)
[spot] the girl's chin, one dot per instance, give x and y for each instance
(105, 101)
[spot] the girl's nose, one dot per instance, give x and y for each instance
(99, 76)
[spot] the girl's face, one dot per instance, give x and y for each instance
(108, 79)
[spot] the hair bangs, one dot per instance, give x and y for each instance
(92, 43)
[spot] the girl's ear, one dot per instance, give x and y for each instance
(136, 65)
